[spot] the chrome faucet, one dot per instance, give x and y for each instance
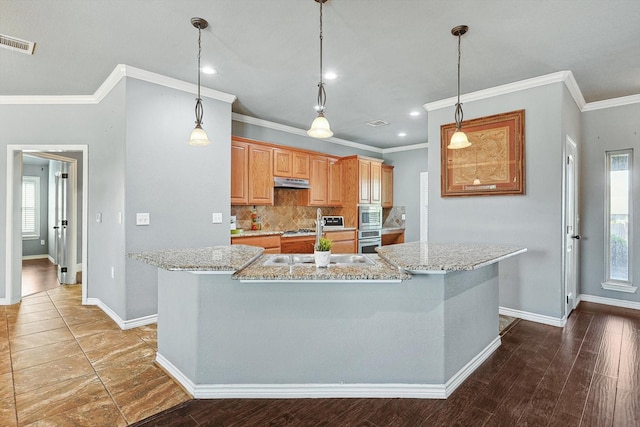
(318, 227)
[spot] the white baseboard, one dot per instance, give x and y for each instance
(609, 301)
(304, 391)
(51, 259)
(41, 256)
(534, 317)
(123, 324)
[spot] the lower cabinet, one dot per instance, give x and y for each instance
(392, 237)
(271, 244)
(297, 244)
(344, 241)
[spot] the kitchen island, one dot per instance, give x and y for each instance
(415, 323)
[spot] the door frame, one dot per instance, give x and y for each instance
(570, 287)
(13, 260)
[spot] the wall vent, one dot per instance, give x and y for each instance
(17, 45)
(377, 123)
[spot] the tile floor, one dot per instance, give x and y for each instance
(65, 364)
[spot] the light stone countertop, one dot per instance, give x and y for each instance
(444, 257)
(216, 258)
(381, 271)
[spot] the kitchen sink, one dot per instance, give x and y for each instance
(308, 259)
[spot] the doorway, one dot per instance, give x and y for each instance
(67, 157)
(571, 226)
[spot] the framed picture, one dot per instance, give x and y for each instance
(492, 165)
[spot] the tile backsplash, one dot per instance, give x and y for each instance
(392, 217)
(283, 215)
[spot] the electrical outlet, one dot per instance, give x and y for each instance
(403, 217)
(113, 272)
(98, 217)
(143, 219)
(42, 242)
(216, 217)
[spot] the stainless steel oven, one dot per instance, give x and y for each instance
(369, 217)
(369, 228)
(369, 240)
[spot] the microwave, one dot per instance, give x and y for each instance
(369, 217)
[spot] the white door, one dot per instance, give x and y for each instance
(571, 227)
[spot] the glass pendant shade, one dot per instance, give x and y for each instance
(476, 181)
(320, 127)
(199, 137)
(458, 140)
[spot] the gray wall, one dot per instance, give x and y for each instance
(615, 128)
(180, 186)
(406, 186)
(101, 127)
(33, 246)
(531, 282)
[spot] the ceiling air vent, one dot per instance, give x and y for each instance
(377, 123)
(17, 45)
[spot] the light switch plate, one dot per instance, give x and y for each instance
(216, 217)
(143, 219)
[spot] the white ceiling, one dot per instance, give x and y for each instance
(393, 56)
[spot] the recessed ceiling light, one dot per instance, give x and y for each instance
(209, 70)
(331, 75)
(402, 134)
(414, 113)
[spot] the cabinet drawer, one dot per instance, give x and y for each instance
(267, 242)
(341, 235)
(297, 245)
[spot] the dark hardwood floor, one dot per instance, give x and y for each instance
(586, 374)
(38, 275)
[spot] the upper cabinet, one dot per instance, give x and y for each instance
(324, 179)
(290, 163)
(387, 186)
(251, 173)
(361, 185)
(369, 181)
(335, 182)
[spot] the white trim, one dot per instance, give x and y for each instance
(290, 129)
(120, 71)
(610, 301)
(619, 287)
(534, 317)
(614, 102)
(123, 324)
(405, 148)
(300, 391)
(41, 256)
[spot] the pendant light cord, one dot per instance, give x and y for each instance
(458, 113)
(322, 95)
(198, 99)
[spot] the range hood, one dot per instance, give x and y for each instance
(279, 182)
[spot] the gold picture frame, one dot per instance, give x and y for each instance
(492, 165)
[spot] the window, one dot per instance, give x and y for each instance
(30, 207)
(618, 221)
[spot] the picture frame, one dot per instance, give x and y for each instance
(493, 165)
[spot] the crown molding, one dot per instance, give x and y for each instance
(405, 148)
(120, 71)
(290, 129)
(614, 102)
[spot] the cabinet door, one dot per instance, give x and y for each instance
(297, 245)
(364, 181)
(282, 162)
(300, 165)
(387, 186)
(239, 173)
(335, 183)
(318, 179)
(260, 175)
(376, 183)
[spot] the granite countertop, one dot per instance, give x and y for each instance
(216, 258)
(444, 257)
(381, 271)
(390, 230)
(248, 233)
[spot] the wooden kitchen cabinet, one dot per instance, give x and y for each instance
(392, 237)
(318, 194)
(290, 163)
(270, 243)
(297, 244)
(387, 186)
(335, 182)
(369, 181)
(260, 175)
(239, 173)
(251, 173)
(361, 185)
(344, 241)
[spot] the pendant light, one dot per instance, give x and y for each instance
(459, 138)
(320, 127)
(199, 137)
